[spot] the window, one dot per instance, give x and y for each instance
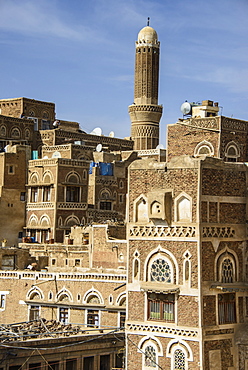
(93, 318)
(72, 194)
(183, 209)
(23, 196)
(34, 313)
(161, 307)
(2, 301)
(227, 308)
(46, 193)
(45, 124)
(105, 206)
(150, 357)
(122, 319)
(226, 268)
(227, 271)
(232, 152)
(160, 271)
(34, 195)
(179, 360)
(71, 364)
(64, 315)
(11, 170)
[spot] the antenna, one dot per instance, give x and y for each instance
(148, 21)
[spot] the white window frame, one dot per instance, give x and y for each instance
(3, 297)
(59, 316)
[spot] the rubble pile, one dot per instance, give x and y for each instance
(37, 329)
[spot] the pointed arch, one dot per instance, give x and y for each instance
(183, 208)
(164, 255)
(64, 295)
(226, 266)
(204, 148)
(47, 177)
(72, 220)
(232, 152)
(141, 209)
(93, 296)
(180, 353)
(33, 220)
(73, 177)
(35, 293)
(34, 178)
(45, 221)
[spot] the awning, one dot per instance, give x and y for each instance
(155, 287)
(231, 288)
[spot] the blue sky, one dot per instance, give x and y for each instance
(80, 55)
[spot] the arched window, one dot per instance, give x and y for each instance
(150, 357)
(3, 131)
(15, 133)
(227, 271)
(183, 210)
(204, 148)
(180, 354)
(226, 267)
(187, 268)
(93, 299)
(64, 296)
(73, 178)
(160, 271)
(35, 294)
(179, 360)
(141, 210)
(232, 152)
(72, 220)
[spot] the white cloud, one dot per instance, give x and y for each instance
(36, 18)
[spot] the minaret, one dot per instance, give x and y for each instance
(145, 113)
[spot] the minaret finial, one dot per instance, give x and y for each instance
(148, 21)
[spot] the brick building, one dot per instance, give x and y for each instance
(166, 229)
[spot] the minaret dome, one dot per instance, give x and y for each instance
(147, 36)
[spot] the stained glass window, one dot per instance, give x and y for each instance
(179, 360)
(160, 271)
(150, 356)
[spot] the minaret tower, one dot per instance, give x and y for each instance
(145, 113)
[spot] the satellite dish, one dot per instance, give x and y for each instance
(111, 134)
(160, 146)
(186, 108)
(97, 131)
(46, 157)
(99, 148)
(56, 155)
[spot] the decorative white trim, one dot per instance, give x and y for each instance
(34, 290)
(161, 252)
(64, 291)
(93, 292)
(205, 144)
